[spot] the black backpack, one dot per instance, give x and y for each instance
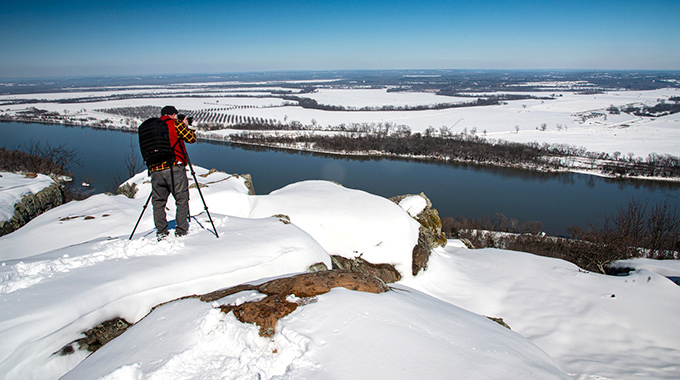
(154, 142)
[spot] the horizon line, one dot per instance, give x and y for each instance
(301, 71)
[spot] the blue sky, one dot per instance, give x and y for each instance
(83, 38)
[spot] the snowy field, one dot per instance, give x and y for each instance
(73, 267)
(571, 118)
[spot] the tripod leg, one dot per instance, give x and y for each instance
(140, 215)
(193, 174)
(202, 199)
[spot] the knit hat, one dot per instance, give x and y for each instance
(169, 110)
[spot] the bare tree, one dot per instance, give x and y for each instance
(48, 159)
(132, 160)
(663, 235)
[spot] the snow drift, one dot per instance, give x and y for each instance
(74, 267)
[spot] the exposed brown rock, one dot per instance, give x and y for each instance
(430, 234)
(500, 321)
(421, 252)
(285, 219)
(386, 272)
(318, 267)
(266, 312)
(249, 183)
(312, 284)
(467, 243)
(211, 171)
(103, 333)
(214, 296)
(429, 219)
(247, 177)
(96, 337)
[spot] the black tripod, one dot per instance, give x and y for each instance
(198, 187)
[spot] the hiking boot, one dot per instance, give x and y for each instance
(160, 235)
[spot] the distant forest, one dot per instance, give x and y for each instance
(442, 81)
(489, 100)
(468, 148)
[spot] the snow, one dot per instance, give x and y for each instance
(413, 204)
(668, 268)
(411, 335)
(593, 324)
(359, 98)
(570, 118)
(64, 273)
(15, 186)
(328, 212)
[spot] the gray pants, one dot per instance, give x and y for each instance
(164, 183)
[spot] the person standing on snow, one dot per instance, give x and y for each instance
(171, 178)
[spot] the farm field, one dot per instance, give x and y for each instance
(558, 117)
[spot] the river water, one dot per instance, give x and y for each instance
(556, 200)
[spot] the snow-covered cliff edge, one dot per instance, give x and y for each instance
(73, 267)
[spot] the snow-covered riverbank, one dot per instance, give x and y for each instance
(570, 119)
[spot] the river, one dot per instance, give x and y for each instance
(557, 200)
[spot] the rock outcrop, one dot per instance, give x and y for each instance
(283, 296)
(247, 178)
(104, 333)
(430, 235)
(386, 272)
(97, 337)
(249, 183)
(31, 206)
(500, 321)
(266, 312)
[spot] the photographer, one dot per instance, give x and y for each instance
(170, 177)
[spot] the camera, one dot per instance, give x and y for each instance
(190, 119)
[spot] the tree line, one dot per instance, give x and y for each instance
(388, 139)
(313, 104)
(462, 148)
(634, 230)
(662, 108)
(394, 140)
